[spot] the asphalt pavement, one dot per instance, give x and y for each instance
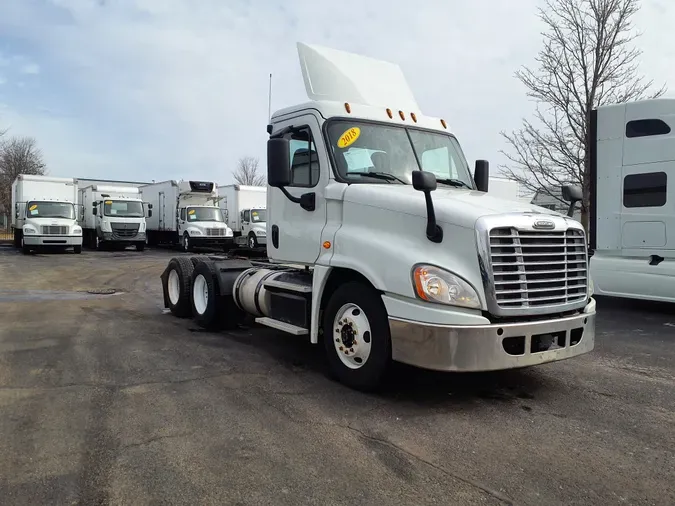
(107, 399)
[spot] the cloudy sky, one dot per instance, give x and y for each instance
(163, 89)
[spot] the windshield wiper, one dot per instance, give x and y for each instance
(378, 175)
(455, 182)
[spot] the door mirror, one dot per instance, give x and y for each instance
(149, 213)
(94, 210)
(278, 162)
(424, 181)
(481, 175)
(572, 193)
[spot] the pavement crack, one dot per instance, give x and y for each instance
(497, 495)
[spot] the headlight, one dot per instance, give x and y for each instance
(437, 285)
(105, 226)
(195, 231)
(260, 232)
(77, 230)
(27, 230)
(141, 227)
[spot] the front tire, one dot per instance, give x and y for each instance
(178, 286)
(77, 249)
(356, 336)
(186, 243)
(24, 248)
(252, 241)
(140, 246)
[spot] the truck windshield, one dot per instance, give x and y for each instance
(204, 214)
(376, 152)
(123, 208)
(258, 215)
(36, 209)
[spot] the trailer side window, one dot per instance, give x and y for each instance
(304, 159)
(645, 190)
(646, 127)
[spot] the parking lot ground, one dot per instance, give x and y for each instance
(106, 399)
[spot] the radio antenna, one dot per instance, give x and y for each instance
(269, 102)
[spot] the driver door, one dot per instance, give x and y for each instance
(294, 234)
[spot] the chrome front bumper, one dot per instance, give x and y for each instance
(482, 347)
(52, 240)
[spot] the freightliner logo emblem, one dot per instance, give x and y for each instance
(543, 224)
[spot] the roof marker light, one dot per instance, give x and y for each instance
(444, 124)
(348, 107)
(389, 113)
(414, 118)
(400, 113)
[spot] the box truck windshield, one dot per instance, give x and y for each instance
(123, 209)
(204, 214)
(394, 151)
(38, 209)
(258, 215)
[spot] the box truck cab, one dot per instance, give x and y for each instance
(45, 213)
(632, 199)
(406, 257)
(244, 209)
(113, 216)
(186, 213)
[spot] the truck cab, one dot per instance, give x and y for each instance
(632, 199)
(201, 225)
(254, 226)
(384, 246)
(113, 216)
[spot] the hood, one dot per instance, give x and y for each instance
(459, 206)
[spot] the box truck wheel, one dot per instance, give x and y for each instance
(77, 249)
(356, 336)
(24, 248)
(178, 286)
(187, 245)
(212, 309)
(140, 246)
(252, 240)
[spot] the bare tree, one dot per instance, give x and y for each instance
(587, 60)
(247, 172)
(18, 155)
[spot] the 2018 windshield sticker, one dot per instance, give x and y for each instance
(349, 137)
(33, 207)
(192, 211)
(108, 202)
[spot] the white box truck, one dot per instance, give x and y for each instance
(186, 213)
(45, 212)
(112, 216)
(402, 258)
(632, 200)
(245, 212)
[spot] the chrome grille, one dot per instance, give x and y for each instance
(215, 231)
(122, 230)
(54, 230)
(538, 268)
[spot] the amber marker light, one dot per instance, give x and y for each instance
(444, 124)
(326, 245)
(348, 107)
(400, 113)
(389, 113)
(414, 118)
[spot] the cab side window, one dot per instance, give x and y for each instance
(247, 216)
(182, 214)
(304, 159)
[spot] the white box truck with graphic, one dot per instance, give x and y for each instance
(403, 258)
(45, 212)
(112, 216)
(186, 213)
(245, 211)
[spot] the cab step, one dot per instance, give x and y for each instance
(283, 326)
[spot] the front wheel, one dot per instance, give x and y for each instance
(24, 248)
(140, 246)
(77, 249)
(252, 241)
(186, 243)
(356, 336)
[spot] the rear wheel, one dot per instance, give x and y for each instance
(356, 336)
(178, 285)
(212, 309)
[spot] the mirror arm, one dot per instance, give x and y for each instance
(307, 200)
(434, 230)
(570, 209)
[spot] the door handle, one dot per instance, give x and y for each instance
(275, 236)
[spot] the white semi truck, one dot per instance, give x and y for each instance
(245, 212)
(632, 200)
(403, 258)
(113, 216)
(186, 213)
(45, 212)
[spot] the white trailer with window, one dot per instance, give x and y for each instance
(382, 245)
(45, 212)
(632, 200)
(186, 213)
(112, 216)
(245, 211)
